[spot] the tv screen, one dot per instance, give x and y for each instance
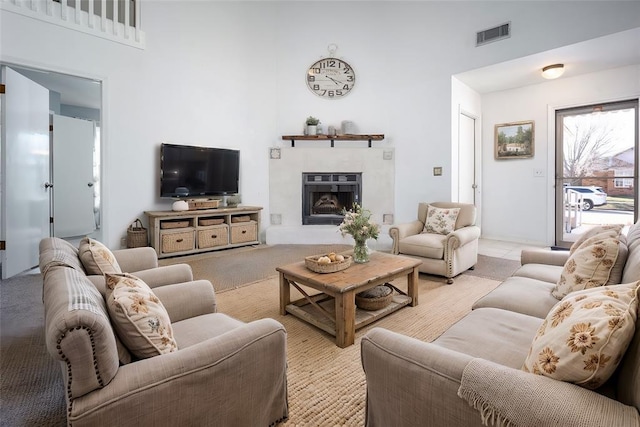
(188, 171)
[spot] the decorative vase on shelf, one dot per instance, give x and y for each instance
(312, 130)
(361, 252)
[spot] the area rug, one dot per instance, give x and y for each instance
(230, 269)
(326, 383)
(236, 267)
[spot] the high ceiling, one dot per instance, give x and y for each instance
(612, 51)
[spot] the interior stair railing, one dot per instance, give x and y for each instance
(116, 20)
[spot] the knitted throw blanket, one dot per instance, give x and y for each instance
(509, 397)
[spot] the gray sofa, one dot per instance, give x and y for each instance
(414, 383)
(225, 372)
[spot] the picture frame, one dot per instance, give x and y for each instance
(515, 140)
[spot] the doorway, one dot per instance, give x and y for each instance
(596, 168)
(70, 103)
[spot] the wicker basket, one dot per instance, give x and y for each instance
(312, 264)
(173, 224)
(374, 303)
(137, 235)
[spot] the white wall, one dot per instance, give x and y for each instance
(231, 74)
(518, 206)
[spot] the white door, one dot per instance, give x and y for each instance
(73, 142)
(25, 167)
(467, 160)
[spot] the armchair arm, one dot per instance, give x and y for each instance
(400, 231)
(412, 383)
(237, 378)
(136, 259)
(154, 277)
(543, 256)
(186, 300)
(510, 396)
(462, 236)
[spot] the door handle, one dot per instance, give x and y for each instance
(48, 185)
(90, 184)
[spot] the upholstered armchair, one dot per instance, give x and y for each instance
(446, 244)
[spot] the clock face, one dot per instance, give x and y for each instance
(331, 78)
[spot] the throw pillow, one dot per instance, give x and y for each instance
(610, 230)
(440, 220)
(585, 336)
(138, 316)
(589, 266)
(97, 258)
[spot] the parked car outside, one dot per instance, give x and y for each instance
(591, 196)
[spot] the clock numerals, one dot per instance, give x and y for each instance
(330, 78)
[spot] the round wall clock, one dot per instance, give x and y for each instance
(331, 78)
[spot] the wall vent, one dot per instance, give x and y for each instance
(493, 34)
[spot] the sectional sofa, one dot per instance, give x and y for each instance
(494, 365)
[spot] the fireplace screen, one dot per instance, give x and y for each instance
(325, 195)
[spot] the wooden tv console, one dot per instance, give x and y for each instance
(189, 232)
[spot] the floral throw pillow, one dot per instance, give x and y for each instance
(138, 316)
(610, 230)
(589, 266)
(97, 258)
(585, 336)
(441, 220)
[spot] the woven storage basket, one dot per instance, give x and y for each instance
(244, 232)
(312, 264)
(173, 224)
(374, 303)
(178, 242)
(217, 235)
(137, 235)
(210, 221)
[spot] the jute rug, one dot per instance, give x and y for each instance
(326, 383)
(230, 269)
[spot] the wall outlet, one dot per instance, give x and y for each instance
(437, 171)
(538, 173)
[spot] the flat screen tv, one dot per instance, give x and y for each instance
(191, 172)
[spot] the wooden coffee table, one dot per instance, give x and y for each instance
(334, 309)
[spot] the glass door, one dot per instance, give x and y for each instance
(596, 168)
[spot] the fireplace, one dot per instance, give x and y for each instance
(326, 194)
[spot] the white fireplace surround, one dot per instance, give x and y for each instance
(377, 166)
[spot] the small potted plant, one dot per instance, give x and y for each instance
(312, 125)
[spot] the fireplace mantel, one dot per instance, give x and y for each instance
(332, 138)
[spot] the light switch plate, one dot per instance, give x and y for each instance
(437, 171)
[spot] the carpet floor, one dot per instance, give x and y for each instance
(326, 383)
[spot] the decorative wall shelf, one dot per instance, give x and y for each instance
(294, 138)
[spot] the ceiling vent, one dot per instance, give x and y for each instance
(493, 34)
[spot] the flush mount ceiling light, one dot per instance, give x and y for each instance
(553, 71)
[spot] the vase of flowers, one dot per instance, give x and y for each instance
(358, 224)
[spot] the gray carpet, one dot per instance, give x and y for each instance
(31, 389)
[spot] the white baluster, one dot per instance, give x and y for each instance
(103, 14)
(137, 11)
(92, 17)
(63, 10)
(127, 13)
(78, 8)
(115, 17)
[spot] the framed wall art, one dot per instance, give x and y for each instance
(514, 140)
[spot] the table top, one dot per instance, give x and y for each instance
(381, 266)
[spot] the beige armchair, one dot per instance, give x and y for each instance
(443, 255)
(225, 372)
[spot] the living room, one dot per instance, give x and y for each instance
(212, 94)
(230, 75)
